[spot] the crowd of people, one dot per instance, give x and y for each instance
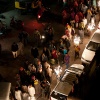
(34, 79)
(36, 76)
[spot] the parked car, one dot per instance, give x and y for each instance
(5, 90)
(65, 85)
(89, 51)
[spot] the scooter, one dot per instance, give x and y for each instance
(18, 24)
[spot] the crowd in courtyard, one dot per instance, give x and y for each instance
(34, 79)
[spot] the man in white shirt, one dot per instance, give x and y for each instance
(18, 94)
(31, 91)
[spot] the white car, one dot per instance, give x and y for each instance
(89, 51)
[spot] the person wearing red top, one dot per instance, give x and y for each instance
(54, 55)
(81, 16)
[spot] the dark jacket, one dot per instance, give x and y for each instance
(14, 47)
(35, 52)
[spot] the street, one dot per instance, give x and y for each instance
(9, 66)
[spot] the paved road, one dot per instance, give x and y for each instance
(8, 66)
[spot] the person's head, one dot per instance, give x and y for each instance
(33, 77)
(43, 84)
(30, 85)
(44, 48)
(45, 80)
(21, 69)
(39, 62)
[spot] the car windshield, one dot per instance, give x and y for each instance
(92, 46)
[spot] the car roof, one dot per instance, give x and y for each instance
(96, 37)
(4, 90)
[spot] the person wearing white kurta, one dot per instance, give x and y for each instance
(18, 94)
(31, 91)
(25, 96)
(85, 21)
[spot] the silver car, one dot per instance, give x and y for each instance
(89, 51)
(64, 86)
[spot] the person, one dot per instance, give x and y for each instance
(36, 85)
(66, 59)
(21, 48)
(76, 20)
(32, 68)
(77, 49)
(54, 55)
(43, 58)
(37, 37)
(51, 45)
(24, 88)
(64, 51)
(39, 2)
(39, 66)
(50, 35)
(31, 91)
(23, 75)
(45, 66)
(73, 32)
(49, 74)
(46, 89)
(25, 96)
(84, 20)
(40, 73)
(14, 49)
(46, 52)
(81, 34)
(89, 14)
(18, 94)
(18, 80)
(34, 52)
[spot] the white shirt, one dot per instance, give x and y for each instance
(85, 21)
(25, 96)
(31, 91)
(18, 95)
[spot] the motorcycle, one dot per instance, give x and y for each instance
(18, 24)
